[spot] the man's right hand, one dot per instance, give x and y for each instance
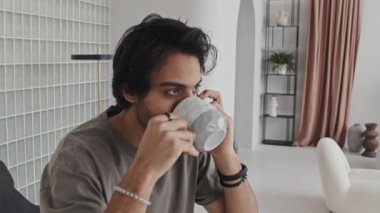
(162, 143)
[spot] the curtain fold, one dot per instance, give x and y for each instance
(334, 32)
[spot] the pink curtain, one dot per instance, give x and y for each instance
(333, 41)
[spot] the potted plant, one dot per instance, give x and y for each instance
(282, 62)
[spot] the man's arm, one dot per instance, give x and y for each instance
(161, 145)
(136, 181)
(237, 199)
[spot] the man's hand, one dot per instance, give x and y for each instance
(162, 143)
(226, 147)
(237, 199)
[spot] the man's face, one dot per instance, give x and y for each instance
(178, 78)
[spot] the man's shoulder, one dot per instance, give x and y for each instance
(87, 138)
(92, 128)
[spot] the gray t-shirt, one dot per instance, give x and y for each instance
(93, 158)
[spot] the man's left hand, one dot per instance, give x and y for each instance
(225, 148)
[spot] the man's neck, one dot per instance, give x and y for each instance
(128, 126)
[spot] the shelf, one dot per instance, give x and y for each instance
(282, 48)
(97, 57)
(287, 74)
(278, 142)
(287, 26)
(280, 116)
(282, 86)
(278, 1)
(279, 94)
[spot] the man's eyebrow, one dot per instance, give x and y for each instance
(176, 84)
(172, 84)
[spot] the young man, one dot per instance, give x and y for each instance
(138, 156)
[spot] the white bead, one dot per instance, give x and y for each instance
(132, 195)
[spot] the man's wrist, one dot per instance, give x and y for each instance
(228, 164)
(138, 181)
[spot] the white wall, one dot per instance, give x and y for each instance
(248, 74)
(245, 51)
(365, 101)
(216, 17)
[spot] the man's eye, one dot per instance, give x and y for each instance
(172, 92)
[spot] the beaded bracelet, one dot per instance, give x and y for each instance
(132, 195)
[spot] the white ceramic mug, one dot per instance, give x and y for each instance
(205, 120)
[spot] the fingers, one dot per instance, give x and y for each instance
(167, 122)
(184, 140)
(186, 136)
(187, 140)
(174, 125)
(219, 107)
(165, 117)
(216, 101)
(214, 95)
(190, 149)
(168, 115)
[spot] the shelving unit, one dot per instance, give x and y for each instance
(279, 130)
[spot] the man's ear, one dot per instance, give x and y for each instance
(129, 97)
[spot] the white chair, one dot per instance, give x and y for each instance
(346, 190)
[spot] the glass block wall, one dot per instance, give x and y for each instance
(43, 93)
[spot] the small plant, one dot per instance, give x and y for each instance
(281, 58)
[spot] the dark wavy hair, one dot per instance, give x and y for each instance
(144, 47)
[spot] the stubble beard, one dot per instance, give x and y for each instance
(143, 114)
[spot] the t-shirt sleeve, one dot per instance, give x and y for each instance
(69, 183)
(208, 186)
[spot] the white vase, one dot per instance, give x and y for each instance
(273, 106)
(282, 69)
(355, 137)
(282, 18)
